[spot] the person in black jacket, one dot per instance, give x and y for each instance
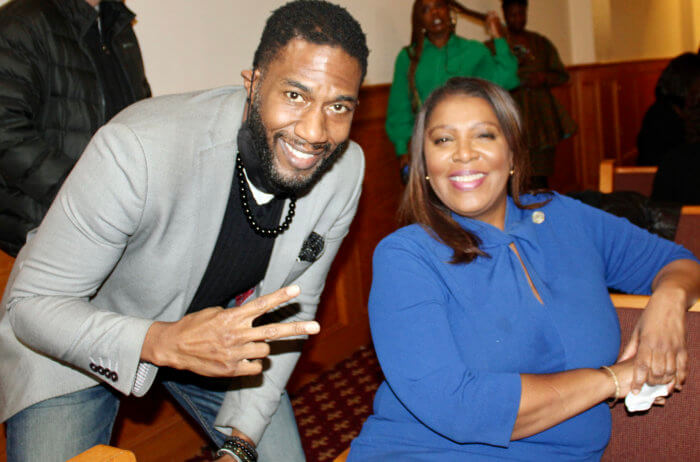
(663, 127)
(66, 67)
(677, 177)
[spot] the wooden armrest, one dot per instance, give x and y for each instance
(102, 453)
(625, 178)
(638, 301)
(605, 175)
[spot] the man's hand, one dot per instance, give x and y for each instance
(219, 342)
(658, 344)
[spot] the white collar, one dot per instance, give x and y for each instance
(261, 197)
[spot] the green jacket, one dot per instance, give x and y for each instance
(460, 57)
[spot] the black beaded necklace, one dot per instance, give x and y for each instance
(259, 230)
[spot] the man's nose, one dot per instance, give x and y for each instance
(311, 126)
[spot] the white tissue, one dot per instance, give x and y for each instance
(645, 398)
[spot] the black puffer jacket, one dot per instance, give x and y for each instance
(51, 101)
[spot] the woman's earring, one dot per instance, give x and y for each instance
(427, 178)
(512, 170)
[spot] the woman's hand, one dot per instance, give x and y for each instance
(494, 27)
(658, 343)
(624, 371)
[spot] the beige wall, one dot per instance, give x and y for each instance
(648, 29)
(194, 44)
(695, 14)
(199, 44)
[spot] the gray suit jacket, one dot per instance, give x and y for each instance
(127, 241)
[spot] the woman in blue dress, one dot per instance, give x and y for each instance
(490, 313)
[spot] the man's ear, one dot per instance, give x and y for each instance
(250, 77)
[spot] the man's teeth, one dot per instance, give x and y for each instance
(299, 154)
(468, 178)
(437, 21)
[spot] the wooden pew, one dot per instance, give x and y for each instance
(625, 178)
(102, 453)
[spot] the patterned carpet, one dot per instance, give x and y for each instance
(330, 410)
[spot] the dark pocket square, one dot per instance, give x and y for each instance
(312, 248)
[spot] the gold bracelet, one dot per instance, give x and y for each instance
(617, 384)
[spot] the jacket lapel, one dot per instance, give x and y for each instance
(214, 168)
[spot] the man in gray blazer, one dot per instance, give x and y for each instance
(178, 205)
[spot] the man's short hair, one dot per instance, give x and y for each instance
(315, 21)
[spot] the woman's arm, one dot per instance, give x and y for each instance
(549, 399)
(658, 342)
(639, 262)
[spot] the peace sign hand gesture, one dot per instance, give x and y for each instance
(219, 342)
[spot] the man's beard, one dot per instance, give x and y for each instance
(295, 185)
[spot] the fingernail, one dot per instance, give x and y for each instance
(313, 328)
(293, 291)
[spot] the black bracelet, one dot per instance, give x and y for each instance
(240, 448)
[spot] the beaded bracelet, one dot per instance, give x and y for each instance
(240, 448)
(612, 401)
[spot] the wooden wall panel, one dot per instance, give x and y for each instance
(608, 102)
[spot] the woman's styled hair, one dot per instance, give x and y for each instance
(420, 204)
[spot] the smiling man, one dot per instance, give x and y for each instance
(180, 206)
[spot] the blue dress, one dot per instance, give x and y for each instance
(453, 340)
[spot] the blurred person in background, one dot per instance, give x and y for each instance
(539, 69)
(679, 169)
(663, 128)
(66, 68)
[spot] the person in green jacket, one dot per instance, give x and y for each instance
(434, 55)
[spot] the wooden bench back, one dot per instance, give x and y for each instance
(625, 178)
